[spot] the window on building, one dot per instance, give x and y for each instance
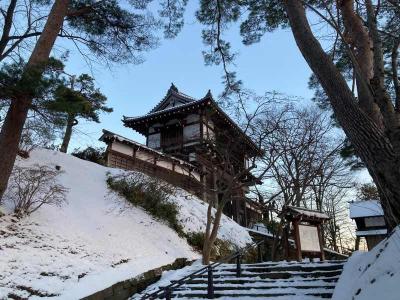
(153, 141)
(171, 136)
(375, 222)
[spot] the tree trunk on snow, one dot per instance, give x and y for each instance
(71, 122)
(211, 232)
(14, 122)
(372, 144)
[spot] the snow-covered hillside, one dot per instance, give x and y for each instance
(95, 239)
(372, 275)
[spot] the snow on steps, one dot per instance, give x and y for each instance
(282, 280)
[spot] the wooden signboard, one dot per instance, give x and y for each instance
(307, 230)
(309, 239)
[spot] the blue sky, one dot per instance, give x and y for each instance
(273, 64)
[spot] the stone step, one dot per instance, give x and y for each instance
(248, 287)
(275, 275)
(274, 297)
(252, 280)
(251, 294)
(293, 263)
(302, 268)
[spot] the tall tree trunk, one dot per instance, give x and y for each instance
(14, 122)
(71, 122)
(370, 142)
(359, 39)
(211, 234)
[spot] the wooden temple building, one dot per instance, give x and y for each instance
(193, 144)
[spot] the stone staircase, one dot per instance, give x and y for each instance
(267, 280)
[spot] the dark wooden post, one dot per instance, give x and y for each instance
(201, 119)
(321, 242)
(238, 266)
(245, 208)
(167, 294)
(236, 210)
(286, 240)
(259, 254)
(210, 284)
(357, 246)
(297, 239)
(108, 154)
(134, 155)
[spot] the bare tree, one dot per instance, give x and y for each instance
(305, 167)
(32, 187)
(304, 158)
(336, 229)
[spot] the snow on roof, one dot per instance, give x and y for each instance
(308, 212)
(368, 208)
(371, 232)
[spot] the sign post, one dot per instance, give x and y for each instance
(307, 230)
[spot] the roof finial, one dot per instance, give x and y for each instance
(173, 87)
(208, 95)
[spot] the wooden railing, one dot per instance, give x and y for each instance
(166, 292)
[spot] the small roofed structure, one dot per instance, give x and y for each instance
(307, 230)
(370, 222)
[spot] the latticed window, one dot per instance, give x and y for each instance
(172, 136)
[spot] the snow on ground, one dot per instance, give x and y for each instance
(372, 275)
(94, 240)
(193, 217)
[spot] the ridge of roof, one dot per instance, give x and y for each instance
(172, 91)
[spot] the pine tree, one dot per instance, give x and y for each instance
(77, 98)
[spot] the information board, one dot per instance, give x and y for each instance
(309, 239)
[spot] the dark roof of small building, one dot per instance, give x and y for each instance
(186, 104)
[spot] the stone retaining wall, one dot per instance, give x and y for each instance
(124, 289)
